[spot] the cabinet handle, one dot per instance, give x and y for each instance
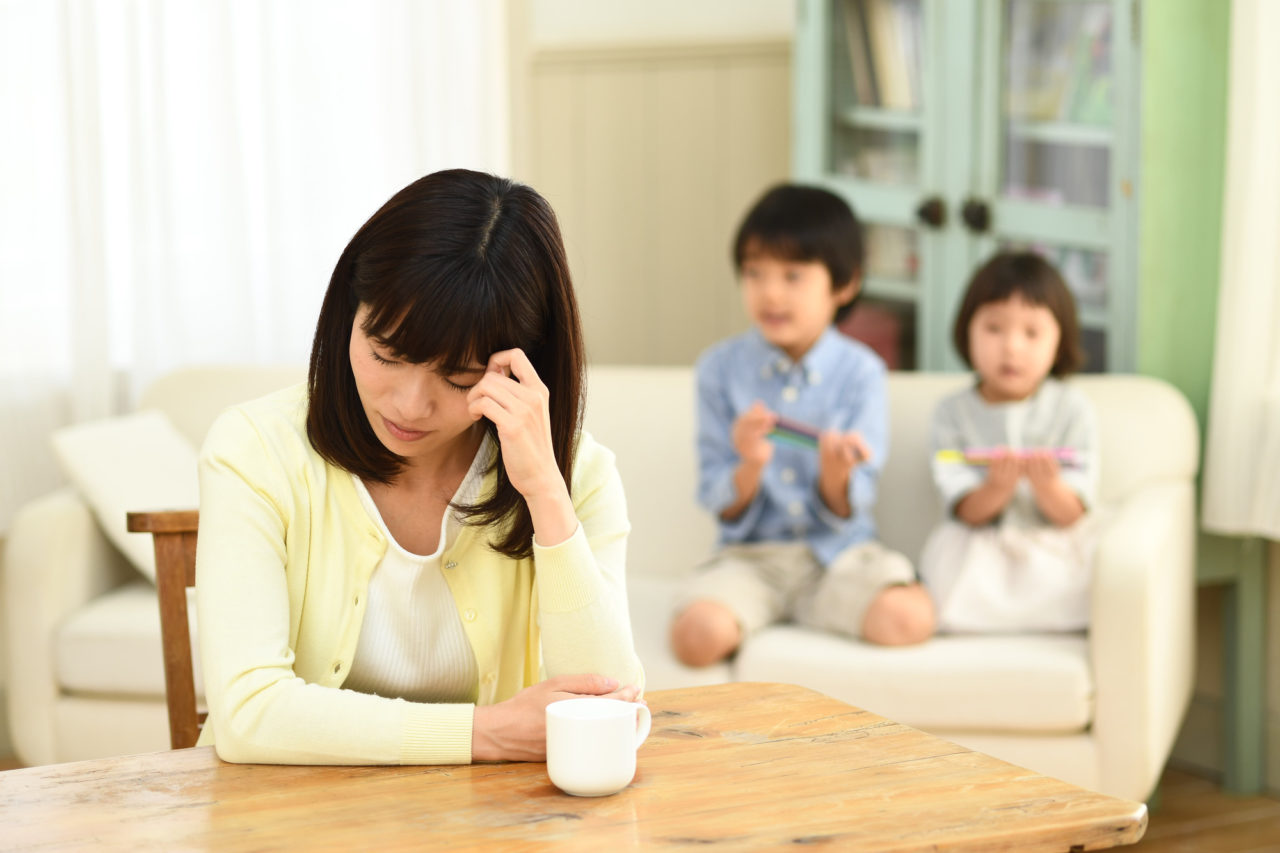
(932, 212)
(977, 215)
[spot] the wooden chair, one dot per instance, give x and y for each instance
(173, 533)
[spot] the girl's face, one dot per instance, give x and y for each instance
(790, 302)
(1012, 345)
(415, 410)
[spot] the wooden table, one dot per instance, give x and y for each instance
(734, 766)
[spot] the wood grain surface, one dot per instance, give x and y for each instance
(731, 767)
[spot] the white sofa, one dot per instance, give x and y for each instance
(1100, 710)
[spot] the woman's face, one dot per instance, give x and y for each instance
(415, 410)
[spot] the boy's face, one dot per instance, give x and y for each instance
(790, 302)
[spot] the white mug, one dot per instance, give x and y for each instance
(592, 743)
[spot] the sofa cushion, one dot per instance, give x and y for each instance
(645, 415)
(1028, 683)
(112, 647)
(134, 462)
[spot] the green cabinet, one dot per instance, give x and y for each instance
(958, 127)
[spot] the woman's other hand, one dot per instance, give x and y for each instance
(516, 730)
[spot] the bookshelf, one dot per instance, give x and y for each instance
(958, 127)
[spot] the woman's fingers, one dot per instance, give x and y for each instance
(514, 363)
(586, 683)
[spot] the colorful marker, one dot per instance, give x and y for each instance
(794, 432)
(984, 455)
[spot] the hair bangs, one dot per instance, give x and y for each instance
(779, 243)
(454, 317)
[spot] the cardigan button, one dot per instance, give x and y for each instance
(450, 564)
(470, 615)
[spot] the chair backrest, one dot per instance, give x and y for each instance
(173, 533)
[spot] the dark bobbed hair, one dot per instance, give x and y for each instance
(805, 223)
(1030, 276)
(454, 267)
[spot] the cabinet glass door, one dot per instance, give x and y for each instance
(1054, 171)
(878, 158)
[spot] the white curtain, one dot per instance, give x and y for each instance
(1242, 459)
(178, 177)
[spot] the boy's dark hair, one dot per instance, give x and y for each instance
(805, 223)
(454, 267)
(1030, 276)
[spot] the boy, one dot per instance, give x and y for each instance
(796, 535)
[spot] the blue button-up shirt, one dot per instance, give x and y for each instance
(838, 385)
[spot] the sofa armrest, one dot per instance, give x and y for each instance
(56, 560)
(1142, 635)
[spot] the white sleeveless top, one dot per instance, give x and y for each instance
(412, 644)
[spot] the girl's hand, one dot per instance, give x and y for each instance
(1042, 468)
(985, 503)
(1052, 495)
(516, 730)
(1004, 470)
(750, 435)
(511, 395)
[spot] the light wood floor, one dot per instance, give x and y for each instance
(1193, 816)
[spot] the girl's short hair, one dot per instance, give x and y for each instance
(804, 223)
(454, 267)
(1030, 276)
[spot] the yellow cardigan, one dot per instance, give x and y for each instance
(283, 564)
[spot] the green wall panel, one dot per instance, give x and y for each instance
(1184, 113)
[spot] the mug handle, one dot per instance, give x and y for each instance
(643, 722)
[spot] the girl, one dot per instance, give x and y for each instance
(1015, 460)
(395, 555)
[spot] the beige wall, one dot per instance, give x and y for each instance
(650, 154)
(6, 745)
(1273, 670)
(563, 23)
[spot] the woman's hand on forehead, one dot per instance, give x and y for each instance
(513, 397)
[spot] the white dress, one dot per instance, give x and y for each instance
(1020, 573)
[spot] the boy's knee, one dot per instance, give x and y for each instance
(703, 633)
(899, 616)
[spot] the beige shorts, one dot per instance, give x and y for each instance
(767, 582)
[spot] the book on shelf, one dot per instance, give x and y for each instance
(882, 39)
(1087, 99)
(859, 50)
(891, 252)
(1059, 64)
(908, 26)
(885, 22)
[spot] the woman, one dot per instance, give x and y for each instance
(407, 558)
